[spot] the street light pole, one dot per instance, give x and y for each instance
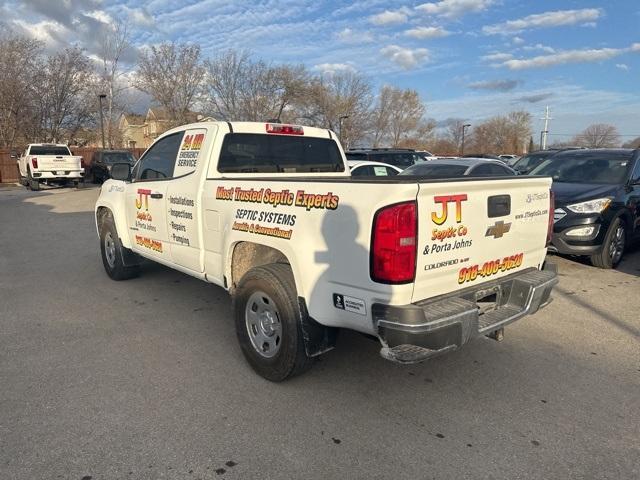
(463, 128)
(100, 97)
(340, 118)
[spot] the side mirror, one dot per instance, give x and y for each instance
(14, 154)
(121, 171)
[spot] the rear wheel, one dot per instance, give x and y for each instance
(32, 184)
(268, 325)
(612, 249)
(112, 252)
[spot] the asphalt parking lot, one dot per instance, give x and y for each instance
(144, 379)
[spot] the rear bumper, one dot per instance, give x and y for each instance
(58, 174)
(416, 332)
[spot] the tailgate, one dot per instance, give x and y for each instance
(470, 232)
(58, 162)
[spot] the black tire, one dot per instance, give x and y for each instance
(276, 282)
(612, 249)
(32, 184)
(111, 250)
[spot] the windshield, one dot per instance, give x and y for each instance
(586, 167)
(435, 170)
(259, 153)
(118, 157)
(49, 150)
(529, 162)
(400, 160)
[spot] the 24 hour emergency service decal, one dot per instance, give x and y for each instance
(189, 151)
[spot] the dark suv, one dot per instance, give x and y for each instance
(398, 157)
(597, 202)
(103, 160)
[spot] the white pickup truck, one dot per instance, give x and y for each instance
(270, 213)
(50, 164)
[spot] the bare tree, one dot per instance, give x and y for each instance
(502, 134)
(406, 112)
(635, 143)
(599, 135)
(454, 131)
(422, 138)
(238, 88)
(19, 61)
(62, 90)
(520, 126)
(172, 74)
(381, 115)
(113, 44)
(341, 94)
(223, 83)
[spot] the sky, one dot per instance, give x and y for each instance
(468, 59)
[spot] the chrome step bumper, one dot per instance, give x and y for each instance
(416, 332)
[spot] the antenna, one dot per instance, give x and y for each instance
(545, 132)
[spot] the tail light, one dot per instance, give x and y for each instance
(82, 164)
(552, 207)
(393, 244)
(284, 129)
(34, 162)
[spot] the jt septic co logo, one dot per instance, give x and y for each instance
(445, 200)
(143, 198)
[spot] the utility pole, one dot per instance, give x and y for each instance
(545, 132)
(100, 97)
(462, 146)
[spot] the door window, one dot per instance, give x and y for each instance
(363, 171)
(160, 160)
(635, 176)
(490, 170)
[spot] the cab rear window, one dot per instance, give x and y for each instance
(258, 153)
(49, 150)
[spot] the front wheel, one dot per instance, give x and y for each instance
(112, 252)
(267, 320)
(612, 249)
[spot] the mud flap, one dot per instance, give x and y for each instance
(318, 339)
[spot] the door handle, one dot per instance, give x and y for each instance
(156, 195)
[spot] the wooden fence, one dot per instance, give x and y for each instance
(9, 167)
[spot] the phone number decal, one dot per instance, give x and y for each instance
(469, 274)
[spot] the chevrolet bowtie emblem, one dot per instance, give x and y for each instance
(498, 229)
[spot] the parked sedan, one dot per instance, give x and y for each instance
(458, 167)
(597, 202)
(103, 160)
(372, 169)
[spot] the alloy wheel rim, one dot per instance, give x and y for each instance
(617, 245)
(110, 249)
(263, 324)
